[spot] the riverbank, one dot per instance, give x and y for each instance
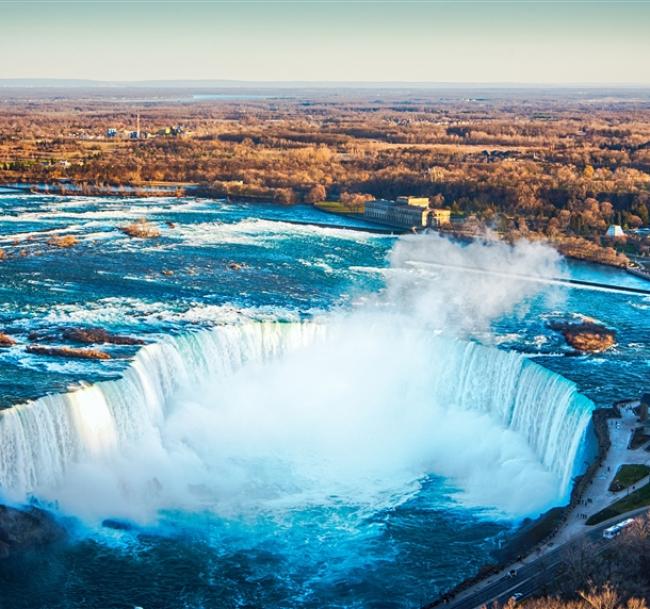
(27, 528)
(637, 272)
(539, 533)
(570, 247)
(83, 189)
(158, 189)
(591, 494)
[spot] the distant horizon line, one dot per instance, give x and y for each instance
(233, 83)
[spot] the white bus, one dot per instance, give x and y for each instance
(614, 530)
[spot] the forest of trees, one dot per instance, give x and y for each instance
(617, 577)
(561, 170)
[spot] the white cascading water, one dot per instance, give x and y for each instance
(276, 414)
(41, 438)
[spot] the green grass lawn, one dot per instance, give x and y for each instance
(637, 499)
(627, 475)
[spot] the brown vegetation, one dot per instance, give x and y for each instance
(593, 597)
(553, 168)
(141, 229)
(68, 352)
(616, 576)
(583, 249)
(586, 336)
(62, 241)
(624, 564)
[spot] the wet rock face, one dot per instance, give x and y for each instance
(98, 335)
(586, 337)
(25, 529)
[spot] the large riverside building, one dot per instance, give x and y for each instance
(414, 201)
(439, 217)
(396, 214)
(406, 212)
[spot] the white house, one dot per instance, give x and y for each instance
(614, 231)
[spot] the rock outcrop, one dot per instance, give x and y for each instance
(68, 352)
(586, 336)
(86, 336)
(28, 528)
(98, 336)
(6, 341)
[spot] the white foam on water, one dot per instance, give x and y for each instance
(259, 416)
(259, 232)
(356, 408)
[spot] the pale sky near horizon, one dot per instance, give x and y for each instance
(507, 41)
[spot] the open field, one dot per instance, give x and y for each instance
(628, 475)
(638, 499)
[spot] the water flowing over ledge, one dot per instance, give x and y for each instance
(43, 441)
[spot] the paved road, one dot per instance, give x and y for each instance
(536, 570)
(534, 577)
(597, 495)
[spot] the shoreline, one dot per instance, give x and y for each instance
(535, 534)
(532, 536)
(591, 493)
(195, 190)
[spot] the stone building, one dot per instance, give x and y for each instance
(406, 212)
(439, 217)
(396, 214)
(414, 201)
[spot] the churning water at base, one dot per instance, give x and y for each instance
(360, 462)
(262, 418)
(354, 463)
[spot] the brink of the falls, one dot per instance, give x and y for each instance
(268, 415)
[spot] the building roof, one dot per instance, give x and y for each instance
(615, 230)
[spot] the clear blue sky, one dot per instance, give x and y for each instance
(457, 41)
